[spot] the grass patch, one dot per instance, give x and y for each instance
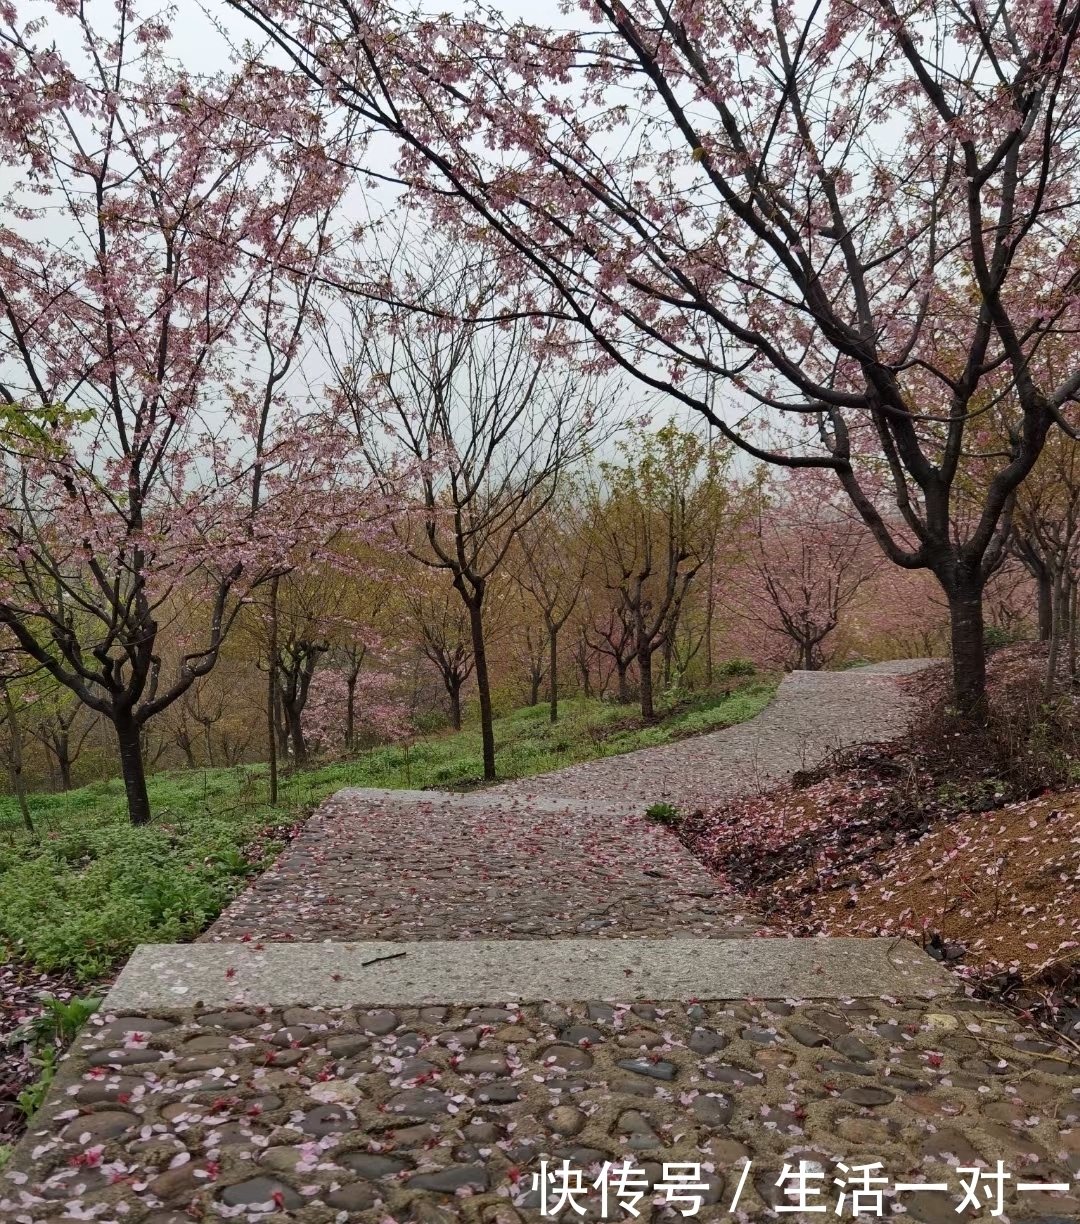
(93, 887)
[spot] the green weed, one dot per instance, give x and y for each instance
(32, 1096)
(663, 813)
(58, 1021)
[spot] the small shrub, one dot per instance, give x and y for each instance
(995, 637)
(737, 667)
(663, 813)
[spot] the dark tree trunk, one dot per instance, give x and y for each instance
(294, 721)
(281, 720)
(1045, 587)
(184, 744)
(129, 740)
(553, 675)
(622, 666)
(1072, 627)
(350, 712)
(582, 660)
(271, 695)
(483, 683)
(62, 751)
(535, 677)
(15, 762)
(645, 687)
(454, 690)
(968, 647)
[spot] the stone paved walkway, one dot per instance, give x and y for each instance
(426, 865)
(564, 854)
(443, 1114)
(812, 714)
(440, 1114)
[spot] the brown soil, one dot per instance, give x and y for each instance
(967, 840)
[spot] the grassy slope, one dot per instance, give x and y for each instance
(93, 888)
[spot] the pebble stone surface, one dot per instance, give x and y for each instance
(563, 855)
(427, 865)
(441, 1114)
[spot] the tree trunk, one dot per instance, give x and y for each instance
(1058, 632)
(62, 748)
(622, 666)
(350, 713)
(582, 660)
(185, 747)
(710, 602)
(454, 689)
(1072, 627)
(16, 761)
(131, 766)
(553, 676)
(645, 688)
(1045, 590)
(271, 695)
(968, 649)
(483, 684)
(294, 721)
(535, 676)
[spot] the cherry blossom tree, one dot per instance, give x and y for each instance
(158, 258)
(554, 559)
(807, 560)
(1046, 539)
(61, 724)
(381, 716)
(858, 220)
(608, 632)
(441, 624)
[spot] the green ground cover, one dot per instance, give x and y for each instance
(92, 887)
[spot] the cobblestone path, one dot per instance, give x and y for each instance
(444, 1114)
(440, 1114)
(812, 714)
(565, 854)
(426, 865)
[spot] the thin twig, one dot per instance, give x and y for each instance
(375, 959)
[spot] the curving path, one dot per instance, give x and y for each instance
(566, 854)
(813, 714)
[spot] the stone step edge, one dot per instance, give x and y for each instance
(161, 977)
(491, 798)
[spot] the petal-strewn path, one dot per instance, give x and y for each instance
(812, 714)
(565, 854)
(209, 1101)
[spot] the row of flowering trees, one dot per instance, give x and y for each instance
(225, 410)
(857, 222)
(161, 240)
